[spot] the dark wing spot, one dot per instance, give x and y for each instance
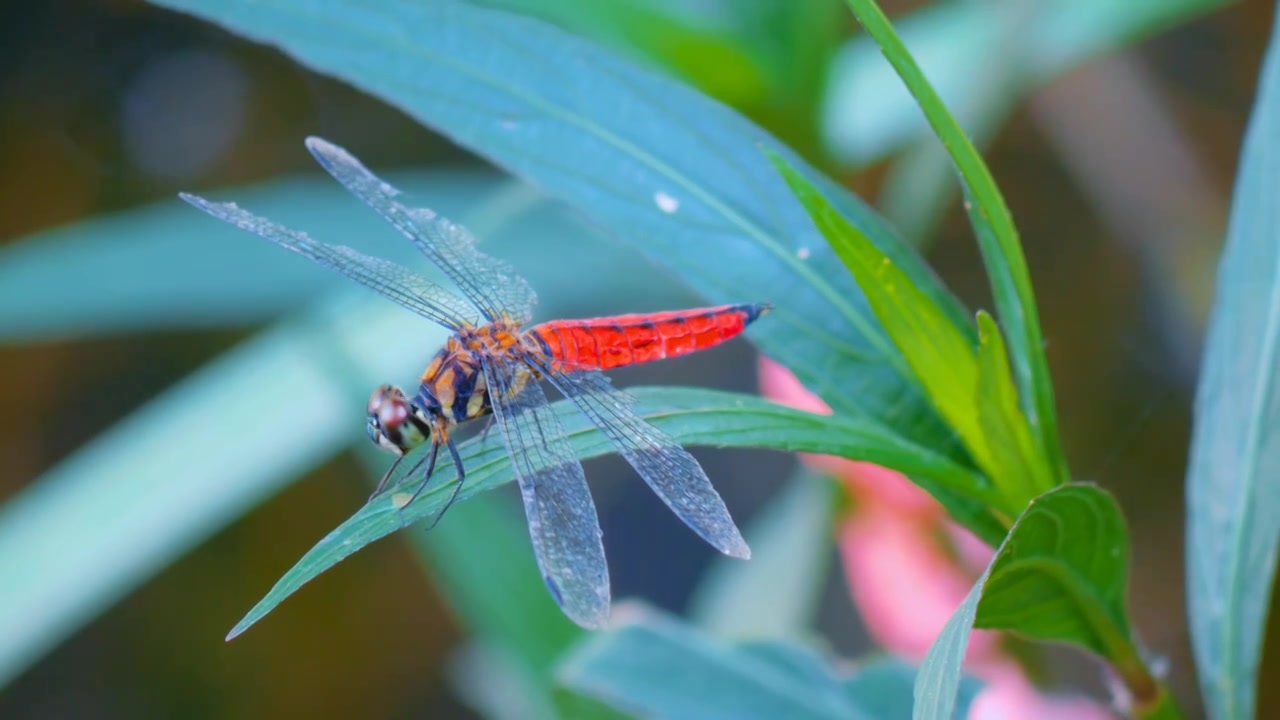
(553, 589)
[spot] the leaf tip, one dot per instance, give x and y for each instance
(987, 327)
(245, 623)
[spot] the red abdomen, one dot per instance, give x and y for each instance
(610, 342)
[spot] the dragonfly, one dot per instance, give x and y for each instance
(492, 365)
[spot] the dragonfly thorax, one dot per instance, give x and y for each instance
(453, 386)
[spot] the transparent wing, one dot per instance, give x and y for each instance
(669, 469)
(489, 283)
(387, 278)
(562, 517)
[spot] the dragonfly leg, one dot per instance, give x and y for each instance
(382, 484)
(488, 425)
(457, 463)
(426, 478)
(391, 470)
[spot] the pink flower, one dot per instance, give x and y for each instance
(1008, 694)
(909, 567)
(868, 482)
(904, 582)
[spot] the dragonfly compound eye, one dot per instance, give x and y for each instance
(394, 424)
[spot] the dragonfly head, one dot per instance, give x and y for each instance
(395, 424)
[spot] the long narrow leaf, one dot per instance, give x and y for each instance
(997, 238)
(938, 682)
(885, 689)
(1233, 482)
(656, 667)
(937, 350)
(691, 416)
(1003, 425)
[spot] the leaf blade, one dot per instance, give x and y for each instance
(883, 688)
(1043, 586)
(997, 239)
(655, 666)
(691, 416)
(938, 354)
(1025, 473)
(937, 683)
(1233, 477)
(1041, 569)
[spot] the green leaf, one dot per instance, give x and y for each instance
(920, 184)
(671, 36)
(768, 58)
(656, 667)
(691, 416)
(997, 238)
(652, 666)
(954, 41)
(1233, 479)
(1012, 447)
(670, 171)
(791, 548)
(883, 689)
(1063, 574)
(938, 682)
(938, 351)
(1060, 575)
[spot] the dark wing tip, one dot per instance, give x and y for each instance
(593, 617)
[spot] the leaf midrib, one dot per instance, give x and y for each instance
(1092, 605)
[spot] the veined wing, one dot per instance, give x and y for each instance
(392, 281)
(562, 516)
(669, 469)
(490, 284)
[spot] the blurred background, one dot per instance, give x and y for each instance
(1112, 128)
